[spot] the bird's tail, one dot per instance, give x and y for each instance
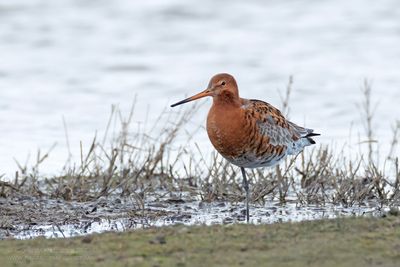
(309, 135)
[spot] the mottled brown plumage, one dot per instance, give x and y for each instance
(249, 133)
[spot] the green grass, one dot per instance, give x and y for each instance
(339, 242)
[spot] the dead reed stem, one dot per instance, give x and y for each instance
(145, 161)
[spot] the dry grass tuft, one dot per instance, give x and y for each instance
(148, 162)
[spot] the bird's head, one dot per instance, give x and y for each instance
(221, 86)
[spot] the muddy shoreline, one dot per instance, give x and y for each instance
(24, 217)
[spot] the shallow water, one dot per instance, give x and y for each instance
(83, 218)
(73, 59)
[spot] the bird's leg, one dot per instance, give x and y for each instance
(246, 187)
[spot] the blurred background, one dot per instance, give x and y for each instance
(75, 58)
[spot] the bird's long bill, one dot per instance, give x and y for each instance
(205, 93)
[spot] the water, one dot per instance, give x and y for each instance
(67, 219)
(74, 59)
(209, 216)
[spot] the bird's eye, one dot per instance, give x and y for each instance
(223, 83)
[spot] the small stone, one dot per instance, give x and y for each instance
(158, 240)
(183, 230)
(243, 248)
(66, 193)
(394, 211)
(227, 220)
(175, 201)
(87, 239)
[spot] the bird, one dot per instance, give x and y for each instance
(249, 133)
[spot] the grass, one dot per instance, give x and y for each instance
(126, 162)
(340, 242)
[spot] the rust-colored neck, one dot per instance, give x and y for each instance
(227, 98)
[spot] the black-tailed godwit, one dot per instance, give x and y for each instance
(249, 133)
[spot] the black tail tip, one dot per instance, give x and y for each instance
(308, 136)
(312, 134)
(311, 140)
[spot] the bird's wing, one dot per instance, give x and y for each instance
(272, 124)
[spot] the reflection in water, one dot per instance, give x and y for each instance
(193, 213)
